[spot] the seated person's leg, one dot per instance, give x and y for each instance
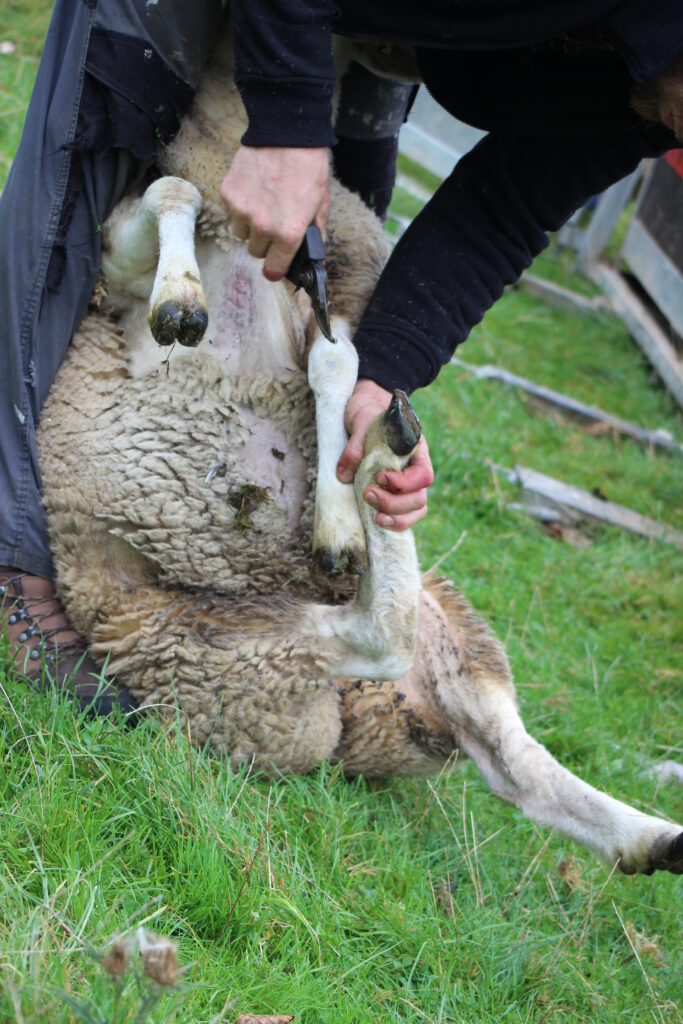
(83, 146)
(371, 112)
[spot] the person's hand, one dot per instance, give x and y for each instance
(400, 498)
(273, 194)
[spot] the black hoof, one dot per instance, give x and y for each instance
(400, 425)
(668, 855)
(350, 560)
(181, 322)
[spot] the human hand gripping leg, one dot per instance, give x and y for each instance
(400, 497)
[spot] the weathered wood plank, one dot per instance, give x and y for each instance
(605, 217)
(642, 326)
(594, 508)
(563, 298)
(572, 408)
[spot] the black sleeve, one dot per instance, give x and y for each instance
(480, 230)
(284, 70)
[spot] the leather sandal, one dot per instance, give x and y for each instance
(44, 647)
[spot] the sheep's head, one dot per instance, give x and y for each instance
(661, 98)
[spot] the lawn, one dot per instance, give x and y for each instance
(354, 901)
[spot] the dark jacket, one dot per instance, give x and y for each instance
(549, 80)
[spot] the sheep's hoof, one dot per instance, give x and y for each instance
(185, 322)
(334, 563)
(667, 855)
(400, 425)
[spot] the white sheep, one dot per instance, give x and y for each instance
(183, 516)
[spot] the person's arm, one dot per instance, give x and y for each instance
(478, 233)
(284, 71)
(278, 182)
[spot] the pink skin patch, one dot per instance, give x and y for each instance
(236, 311)
(275, 464)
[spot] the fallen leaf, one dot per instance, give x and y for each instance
(569, 534)
(599, 429)
(558, 700)
(445, 896)
(570, 873)
(647, 949)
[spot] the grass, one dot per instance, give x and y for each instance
(22, 25)
(398, 901)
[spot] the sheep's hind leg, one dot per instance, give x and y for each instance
(156, 234)
(391, 728)
(519, 770)
(374, 638)
(338, 537)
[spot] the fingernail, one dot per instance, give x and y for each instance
(344, 474)
(371, 498)
(382, 480)
(384, 520)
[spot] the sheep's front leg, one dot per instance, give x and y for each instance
(338, 538)
(155, 235)
(489, 729)
(374, 638)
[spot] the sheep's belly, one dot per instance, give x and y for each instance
(188, 468)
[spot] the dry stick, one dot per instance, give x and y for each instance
(598, 998)
(451, 551)
(478, 846)
(657, 1015)
(227, 1005)
(244, 882)
(417, 1009)
(228, 813)
(589, 912)
(15, 1003)
(529, 872)
(448, 879)
(443, 811)
(475, 851)
(496, 485)
(468, 855)
(556, 901)
(436, 909)
(271, 878)
(452, 757)
(189, 747)
(29, 736)
(540, 605)
(528, 616)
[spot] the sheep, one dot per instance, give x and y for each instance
(189, 500)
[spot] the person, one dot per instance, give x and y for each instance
(572, 94)
(113, 82)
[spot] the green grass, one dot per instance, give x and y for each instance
(23, 24)
(330, 899)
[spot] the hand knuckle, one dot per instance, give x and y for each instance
(260, 225)
(291, 236)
